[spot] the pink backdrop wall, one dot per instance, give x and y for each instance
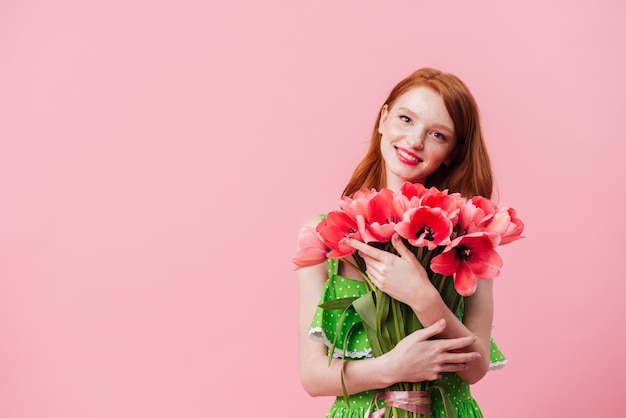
(157, 159)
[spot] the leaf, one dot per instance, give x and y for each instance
(447, 405)
(344, 390)
(348, 334)
(382, 313)
(412, 323)
(341, 303)
(365, 306)
(331, 351)
(397, 322)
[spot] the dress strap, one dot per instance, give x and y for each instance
(331, 264)
(333, 267)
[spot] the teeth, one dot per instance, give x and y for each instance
(407, 156)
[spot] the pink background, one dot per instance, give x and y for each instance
(158, 157)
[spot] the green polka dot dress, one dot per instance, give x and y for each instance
(324, 328)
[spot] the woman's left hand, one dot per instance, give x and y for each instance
(400, 276)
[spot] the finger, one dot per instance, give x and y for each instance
(454, 367)
(354, 243)
(461, 358)
(397, 243)
(430, 331)
(452, 344)
(437, 376)
(367, 258)
(373, 265)
(365, 249)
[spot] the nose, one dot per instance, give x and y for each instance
(417, 139)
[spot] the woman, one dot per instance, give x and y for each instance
(427, 132)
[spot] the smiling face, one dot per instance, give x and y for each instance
(417, 136)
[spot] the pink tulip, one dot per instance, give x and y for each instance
(311, 249)
(487, 205)
(381, 218)
(366, 194)
(334, 229)
(503, 223)
(450, 203)
(411, 190)
(514, 230)
(468, 258)
(425, 227)
(440, 199)
(408, 196)
(356, 206)
(472, 216)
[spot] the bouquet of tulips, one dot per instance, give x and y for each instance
(454, 238)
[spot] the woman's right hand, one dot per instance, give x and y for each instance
(417, 358)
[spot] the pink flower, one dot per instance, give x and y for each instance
(514, 230)
(381, 218)
(440, 199)
(356, 206)
(334, 229)
(311, 249)
(425, 227)
(487, 206)
(468, 258)
(366, 194)
(408, 196)
(474, 213)
(450, 203)
(411, 190)
(504, 223)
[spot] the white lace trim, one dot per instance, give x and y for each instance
(497, 365)
(318, 335)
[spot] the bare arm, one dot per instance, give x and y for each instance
(415, 359)
(477, 321)
(403, 278)
(317, 377)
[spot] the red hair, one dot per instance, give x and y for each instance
(469, 171)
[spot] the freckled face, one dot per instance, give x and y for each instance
(417, 136)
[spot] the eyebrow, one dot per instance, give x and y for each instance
(436, 125)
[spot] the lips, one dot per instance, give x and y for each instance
(407, 157)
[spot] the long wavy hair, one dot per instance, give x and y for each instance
(469, 171)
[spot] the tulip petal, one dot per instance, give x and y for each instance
(311, 249)
(445, 263)
(465, 280)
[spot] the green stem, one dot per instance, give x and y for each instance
(456, 303)
(441, 283)
(366, 279)
(394, 310)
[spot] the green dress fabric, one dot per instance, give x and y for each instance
(324, 327)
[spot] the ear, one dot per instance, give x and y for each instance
(384, 113)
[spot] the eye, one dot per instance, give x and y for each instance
(439, 135)
(405, 119)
